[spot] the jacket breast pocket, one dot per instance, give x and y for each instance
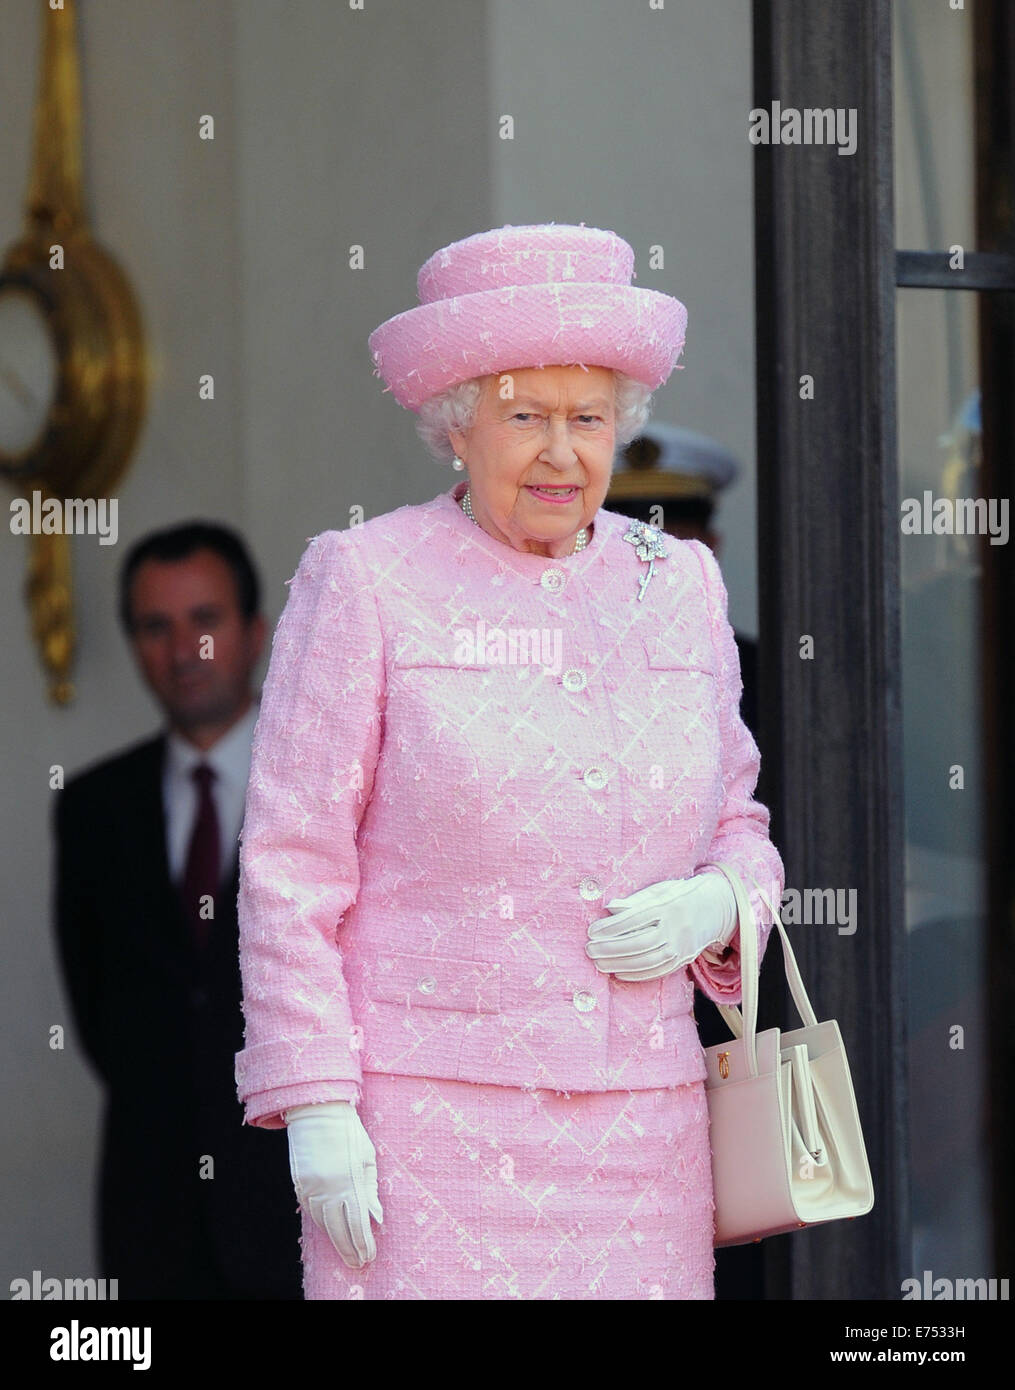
(679, 723)
(693, 655)
(434, 701)
(446, 684)
(435, 982)
(474, 708)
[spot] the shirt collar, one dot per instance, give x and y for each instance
(229, 756)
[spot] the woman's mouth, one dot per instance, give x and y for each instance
(554, 494)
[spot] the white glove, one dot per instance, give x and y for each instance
(663, 927)
(334, 1170)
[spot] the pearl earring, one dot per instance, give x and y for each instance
(457, 464)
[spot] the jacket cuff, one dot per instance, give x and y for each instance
(266, 1109)
(718, 978)
(292, 1067)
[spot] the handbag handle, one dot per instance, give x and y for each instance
(745, 1024)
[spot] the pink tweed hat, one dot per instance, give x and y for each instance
(528, 297)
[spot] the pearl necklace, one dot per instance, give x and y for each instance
(580, 544)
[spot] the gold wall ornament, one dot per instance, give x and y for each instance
(50, 602)
(73, 368)
(724, 1065)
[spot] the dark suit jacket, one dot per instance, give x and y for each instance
(162, 1032)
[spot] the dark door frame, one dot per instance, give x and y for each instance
(828, 515)
(828, 545)
(994, 39)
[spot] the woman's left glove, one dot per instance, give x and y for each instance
(663, 927)
(334, 1171)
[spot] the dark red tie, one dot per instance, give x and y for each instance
(201, 876)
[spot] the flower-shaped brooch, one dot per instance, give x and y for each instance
(649, 543)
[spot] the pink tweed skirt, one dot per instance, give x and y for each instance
(495, 1192)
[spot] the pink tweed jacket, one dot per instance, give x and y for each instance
(463, 753)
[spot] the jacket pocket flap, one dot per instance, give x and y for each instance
(436, 982)
(678, 654)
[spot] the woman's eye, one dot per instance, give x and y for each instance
(523, 416)
(590, 419)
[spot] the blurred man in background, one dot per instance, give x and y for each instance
(192, 1203)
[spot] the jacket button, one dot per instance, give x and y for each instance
(590, 889)
(583, 1001)
(574, 679)
(427, 985)
(595, 778)
(553, 580)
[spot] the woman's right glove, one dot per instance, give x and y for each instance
(334, 1170)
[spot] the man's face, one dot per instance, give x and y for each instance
(195, 649)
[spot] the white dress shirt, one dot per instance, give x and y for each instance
(230, 758)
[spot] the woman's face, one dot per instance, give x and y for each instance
(539, 427)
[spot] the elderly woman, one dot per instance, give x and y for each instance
(499, 746)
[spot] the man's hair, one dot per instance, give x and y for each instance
(179, 542)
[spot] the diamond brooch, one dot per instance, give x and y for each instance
(648, 542)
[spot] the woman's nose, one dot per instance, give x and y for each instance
(559, 449)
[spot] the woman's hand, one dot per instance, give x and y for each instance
(663, 927)
(334, 1170)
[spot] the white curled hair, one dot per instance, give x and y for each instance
(455, 409)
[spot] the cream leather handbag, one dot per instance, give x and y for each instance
(787, 1148)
